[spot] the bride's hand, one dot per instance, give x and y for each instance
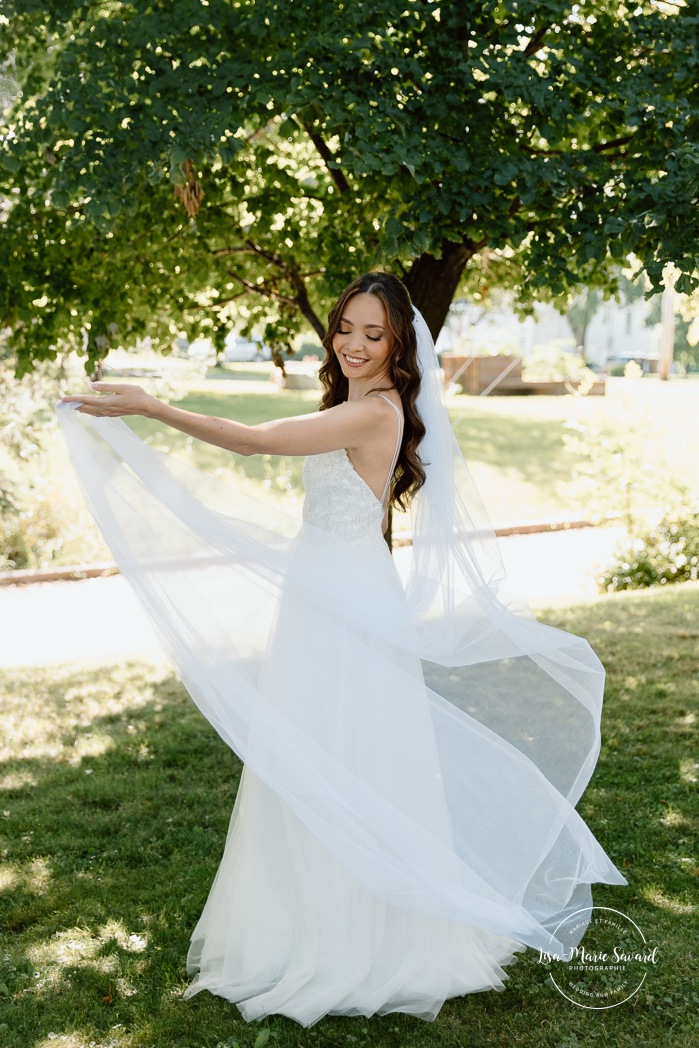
(119, 399)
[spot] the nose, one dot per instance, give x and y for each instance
(356, 341)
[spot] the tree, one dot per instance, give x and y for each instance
(308, 140)
(683, 318)
(584, 305)
(579, 314)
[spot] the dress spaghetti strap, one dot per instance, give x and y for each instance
(398, 444)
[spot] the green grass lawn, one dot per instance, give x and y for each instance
(515, 447)
(273, 475)
(116, 796)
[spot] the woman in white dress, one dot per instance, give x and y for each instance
(413, 749)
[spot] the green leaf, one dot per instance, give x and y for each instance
(178, 155)
(288, 128)
(685, 284)
(177, 175)
(463, 145)
(154, 174)
(10, 163)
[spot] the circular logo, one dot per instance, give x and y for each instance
(609, 967)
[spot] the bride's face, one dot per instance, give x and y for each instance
(363, 341)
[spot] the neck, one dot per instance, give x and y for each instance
(359, 387)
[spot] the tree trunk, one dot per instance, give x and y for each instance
(667, 338)
(579, 315)
(578, 327)
(432, 282)
(304, 305)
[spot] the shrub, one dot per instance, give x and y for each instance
(622, 467)
(554, 362)
(37, 526)
(668, 552)
(309, 349)
(633, 370)
(24, 413)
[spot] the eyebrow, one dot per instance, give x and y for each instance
(344, 320)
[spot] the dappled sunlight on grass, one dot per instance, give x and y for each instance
(688, 770)
(9, 877)
(57, 723)
(97, 923)
(77, 1040)
(31, 877)
(101, 952)
(109, 848)
(17, 780)
(674, 819)
(89, 745)
(657, 898)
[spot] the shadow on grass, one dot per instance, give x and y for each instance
(115, 824)
(116, 796)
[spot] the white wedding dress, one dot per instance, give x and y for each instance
(414, 749)
(286, 929)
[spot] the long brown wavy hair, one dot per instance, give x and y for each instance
(403, 373)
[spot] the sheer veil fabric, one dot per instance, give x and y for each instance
(414, 749)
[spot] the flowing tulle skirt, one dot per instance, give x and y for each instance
(286, 930)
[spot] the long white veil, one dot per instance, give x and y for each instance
(450, 794)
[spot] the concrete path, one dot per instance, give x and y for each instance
(98, 620)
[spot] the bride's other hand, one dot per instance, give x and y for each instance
(116, 399)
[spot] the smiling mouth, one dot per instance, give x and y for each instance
(354, 361)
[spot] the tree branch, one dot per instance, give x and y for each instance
(214, 305)
(261, 289)
(541, 152)
(536, 41)
(304, 305)
(603, 146)
(270, 256)
(328, 158)
(475, 246)
(250, 248)
(300, 299)
(224, 252)
(224, 301)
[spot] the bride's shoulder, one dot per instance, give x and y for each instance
(371, 407)
(388, 406)
(362, 421)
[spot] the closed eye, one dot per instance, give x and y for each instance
(370, 337)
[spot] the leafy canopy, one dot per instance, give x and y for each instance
(533, 145)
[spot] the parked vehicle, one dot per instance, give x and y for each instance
(245, 349)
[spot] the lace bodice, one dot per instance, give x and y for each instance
(339, 501)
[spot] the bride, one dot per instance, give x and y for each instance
(414, 747)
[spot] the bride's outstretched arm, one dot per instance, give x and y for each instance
(347, 425)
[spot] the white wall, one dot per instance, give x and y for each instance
(614, 331)
(620, 331)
